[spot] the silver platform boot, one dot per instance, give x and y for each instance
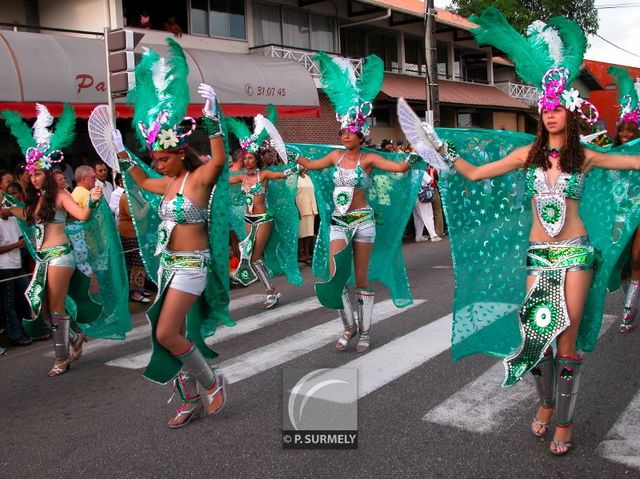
(346, 314)
(364, 306)
(630, 307)
(544, 377)
(60, 324)
(567, 384)
(273, 295)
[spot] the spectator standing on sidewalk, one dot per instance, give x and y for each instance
(438, 213)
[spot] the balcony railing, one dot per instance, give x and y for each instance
(301, 56)
(527, 93)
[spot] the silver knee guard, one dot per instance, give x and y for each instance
(567, 382)
(186, 385)
(630, 306)
(364, 306)
(346, 313)
(260, 269)
(196, 366)
(544, 377)
(60, 324)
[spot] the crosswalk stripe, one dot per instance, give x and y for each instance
(247, 325)
(289, 348)
(482, 405)
(622, 444)
(144, 330)
(386, 363)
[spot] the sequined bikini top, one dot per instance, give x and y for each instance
(257, 189)
(178, 210)
(181, 209)
(353, 178)
(551, 200)
(571, 185)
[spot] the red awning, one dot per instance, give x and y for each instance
(54, 69)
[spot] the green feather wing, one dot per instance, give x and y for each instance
(144, 95)
(493, 29)
(65, 130)
(574, 44)
(239, 128)
(177, 89)
(370, 81)
(625, 85)
(19, 129)
(336, 84)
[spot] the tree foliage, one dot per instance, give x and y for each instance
(520, 13)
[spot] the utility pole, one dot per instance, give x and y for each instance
(431, 56)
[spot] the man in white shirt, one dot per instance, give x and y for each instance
(11, 281)
(102, 175)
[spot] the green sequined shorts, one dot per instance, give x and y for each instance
(189, 270)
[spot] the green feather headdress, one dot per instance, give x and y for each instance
(550, 55)
(160, 100)
(351, 97)
(250, 142)
(628, 93)
(40, 145)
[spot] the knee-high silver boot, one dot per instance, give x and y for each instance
(212, 384)
(567, 383)
(364, 306)
(346, 314)
(630, 306)
(187, 387)
(60, 324)
(273, 295)
(544, 377)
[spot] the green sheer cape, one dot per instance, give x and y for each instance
(98, 297)
(489, 223)
(392, 196)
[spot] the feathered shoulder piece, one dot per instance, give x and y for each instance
(264, 133)
(160, 99)
(549, 56)
(628, 94)
(41, 145)
(351, 96)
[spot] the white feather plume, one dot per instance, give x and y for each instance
(159, 74)
(412, 128)
(44, 119)
(346, 66)
(261, 123)
(551, 36)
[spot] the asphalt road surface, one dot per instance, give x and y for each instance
(419, 414)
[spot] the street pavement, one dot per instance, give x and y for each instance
(419, 414)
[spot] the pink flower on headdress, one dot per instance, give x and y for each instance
(631, 117)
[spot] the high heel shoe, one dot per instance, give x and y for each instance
(539, 428)
(184, 416)
(209, 396)
(59, 367)
(347, 335)
(76, 347)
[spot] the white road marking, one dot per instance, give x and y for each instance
(247, 325)
(289, 348)
(144, 330)
(482, 405)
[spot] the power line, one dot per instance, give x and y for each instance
(619, 5)
(618, 47)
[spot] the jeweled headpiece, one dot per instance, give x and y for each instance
(160, 100)
(550, 55)
(41, 146)
(264, 133)
(628, 94)
(351, 97)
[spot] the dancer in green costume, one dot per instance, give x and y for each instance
(68, 255)
(353, 222)
(269, 214)
(570, 232)
(192, 277)
(628, 130)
